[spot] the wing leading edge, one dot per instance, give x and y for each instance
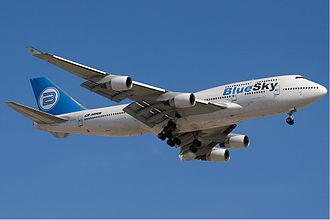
(96, 79)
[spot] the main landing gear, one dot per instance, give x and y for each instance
(195, 145)
(290, 119)
(167, 132)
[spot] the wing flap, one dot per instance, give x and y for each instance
(35, 115)
(153, 112)
(149, 113)
(107, 93)
(138, 91)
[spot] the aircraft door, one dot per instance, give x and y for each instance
(80, 121)
(277, 90)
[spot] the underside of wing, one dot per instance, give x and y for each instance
(208, 138)
(201, 145)
(138, 91)
(152, 112)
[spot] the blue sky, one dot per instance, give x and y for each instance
(181, 46)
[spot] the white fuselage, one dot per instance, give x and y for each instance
(258, 98)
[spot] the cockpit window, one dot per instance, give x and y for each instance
(300, 77)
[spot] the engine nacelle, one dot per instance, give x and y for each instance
(187, 155)
(183, 100)
(218, 155)
(120, 83)
(237, 141)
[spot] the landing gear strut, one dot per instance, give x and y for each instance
(290, 119)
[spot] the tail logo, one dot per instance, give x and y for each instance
(48, 98)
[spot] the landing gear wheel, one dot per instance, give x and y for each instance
(171, 124)
(170, 142)
(289, 120)
(197, 143)
(168, 130)
(168, 134)
(162, 136)
(177, 141)
(193, 149)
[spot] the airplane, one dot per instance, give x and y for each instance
(199, 123)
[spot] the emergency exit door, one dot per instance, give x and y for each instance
(277, 90)
(80, 121)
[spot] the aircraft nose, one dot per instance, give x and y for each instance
(323, 90)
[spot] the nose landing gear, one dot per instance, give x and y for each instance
(290, 119)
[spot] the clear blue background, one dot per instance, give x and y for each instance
(182, 46)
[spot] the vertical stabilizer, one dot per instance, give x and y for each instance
(52, 99)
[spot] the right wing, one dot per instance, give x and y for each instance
(208, 138)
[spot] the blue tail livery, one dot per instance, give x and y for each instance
(52, 99)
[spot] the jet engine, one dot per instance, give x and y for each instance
(183, 100)
(120, 83)
(236, 141)
(187, 155)
(218, 155)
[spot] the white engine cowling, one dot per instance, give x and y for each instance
(184, 100)
(187, 155)
(237, 141)
(120, 83)
(218, 155)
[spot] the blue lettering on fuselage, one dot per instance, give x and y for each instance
(256, 87)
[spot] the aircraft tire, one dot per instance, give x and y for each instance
(289, 120)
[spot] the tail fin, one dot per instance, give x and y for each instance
(52, 99)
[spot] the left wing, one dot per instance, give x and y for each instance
(97, 79)
(152, 105)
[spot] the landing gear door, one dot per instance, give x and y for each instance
(277, 90)
(80, 121)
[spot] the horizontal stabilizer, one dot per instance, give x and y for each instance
(35, 115)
